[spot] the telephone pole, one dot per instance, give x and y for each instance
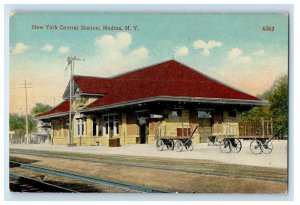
(71, 62)
(26, 86)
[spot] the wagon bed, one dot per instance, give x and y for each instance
(228, 136)
(183, 139)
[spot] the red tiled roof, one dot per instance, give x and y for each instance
(169, 78)
(59, 109)
(92, 85)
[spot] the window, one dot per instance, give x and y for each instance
(232, 114)
(204, 114)
(111, 125)
(81, 126)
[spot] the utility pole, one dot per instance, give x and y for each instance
(71, 62)
(26, 117)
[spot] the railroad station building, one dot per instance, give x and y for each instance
(164, 99)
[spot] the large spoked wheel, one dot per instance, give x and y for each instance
(225, 146)
(236, 145)
(256, 147)
(210, 141)
(178, 146)
(160, 145)
(189, 146)
(170, 145)
(267, 147)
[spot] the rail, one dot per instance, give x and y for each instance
(144, 165)
(89, 179)
(47, 187)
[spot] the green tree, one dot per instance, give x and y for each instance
(256, 113)
(277, 96)
(17, 123)
(40, 108)
(279, 100)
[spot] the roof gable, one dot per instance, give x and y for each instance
(92, 85)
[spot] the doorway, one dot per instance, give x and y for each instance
(143, 134)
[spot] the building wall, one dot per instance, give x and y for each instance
(231, 123)
(194, 122)
(205, 129)
(132, 129)
(225, 124)
(153, 130)
(129, 129)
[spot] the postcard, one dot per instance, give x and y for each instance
(148, 102)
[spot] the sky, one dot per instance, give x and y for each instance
(232, 48)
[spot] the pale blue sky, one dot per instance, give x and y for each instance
(232, 48)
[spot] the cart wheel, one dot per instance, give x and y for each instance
(170, 145)
(178, 146)
(210, 141)
(256, 147)
(160, 145)
(236, 145)
(225, 145)
(189, 145)
(267, 147)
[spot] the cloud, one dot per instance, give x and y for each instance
(259, 53)
(121, 41)
(19, 48)
(182, 51)
(47, 48)
(139, 53)
(235, 55)
(63, 49)
(114, 54)
(207, 47)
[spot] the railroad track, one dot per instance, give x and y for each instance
(209, 173)
(139, 160)
(88, 179)
(25, 184)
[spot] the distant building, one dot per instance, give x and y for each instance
(43, 133)
(133, 107)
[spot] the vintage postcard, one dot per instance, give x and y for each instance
(148, 102)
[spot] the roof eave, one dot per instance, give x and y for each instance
(185, 99)
(55, 115)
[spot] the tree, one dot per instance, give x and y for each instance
(279, 100)
(256, 113)
(17, 123)
(277, 96)
(40, 108)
